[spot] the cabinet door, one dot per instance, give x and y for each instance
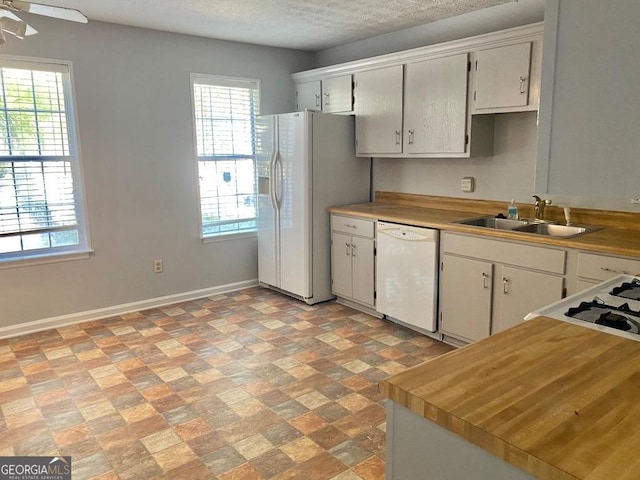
(502, 77)
(378, 110)
(435, 108)
(337, 94)
(309, 96)
(465, 297)
(362, 262)
(520, 292)
(341, 264)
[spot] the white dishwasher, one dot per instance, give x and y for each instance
(407, 274)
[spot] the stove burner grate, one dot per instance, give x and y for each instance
(607, 315)
(630, 290)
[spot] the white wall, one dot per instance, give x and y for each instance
(134, 113)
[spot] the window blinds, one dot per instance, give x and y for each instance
(224, 120)
(38, 204)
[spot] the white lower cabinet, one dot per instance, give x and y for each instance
(487, 286)
(521, 292)
(353, 259)
(594, 268)
(465, 297)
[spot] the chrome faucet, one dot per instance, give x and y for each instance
(539, 207)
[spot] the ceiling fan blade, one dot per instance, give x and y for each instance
(8, 14)
(51, 11)
(14, 27)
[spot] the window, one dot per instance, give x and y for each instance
(224, 120)
(40, 194)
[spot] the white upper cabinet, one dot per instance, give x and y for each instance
(506, 77)
(502, 76)
(337, 94)
(378, 110)
(331, 95)
(309, 96)
(427, 118)
(435, 105)
(426, 102)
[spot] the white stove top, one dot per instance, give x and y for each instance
(612, 306)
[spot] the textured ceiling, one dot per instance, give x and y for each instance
(301, 24)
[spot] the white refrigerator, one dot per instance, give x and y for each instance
(305, 163)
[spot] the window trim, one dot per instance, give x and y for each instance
(217, 80)
(83, 249)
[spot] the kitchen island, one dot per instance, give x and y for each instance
(554, 400)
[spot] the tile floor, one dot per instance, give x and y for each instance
(246, 385)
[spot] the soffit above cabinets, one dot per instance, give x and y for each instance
(300, 24)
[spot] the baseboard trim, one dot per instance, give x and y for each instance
(89, 315)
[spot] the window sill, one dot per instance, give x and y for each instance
(228, 237)
(45, 259)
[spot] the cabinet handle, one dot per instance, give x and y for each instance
(397, 137)
(505, 285)
(317, 100)
(411, 137)
(522, 84)
(353, 250)
(326, 99)
(485, 280)
(349, 226)
(348, 249)
(613, 270)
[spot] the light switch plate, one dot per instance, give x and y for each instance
(467, 185)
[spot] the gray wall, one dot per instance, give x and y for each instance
(507, 174)
(590, 115)
(134, 114)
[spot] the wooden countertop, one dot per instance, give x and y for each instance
(611, 239)
(554, 399)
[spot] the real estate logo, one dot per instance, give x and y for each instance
(35, 468)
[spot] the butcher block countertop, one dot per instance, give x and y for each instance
(556, 400)
(620, 235)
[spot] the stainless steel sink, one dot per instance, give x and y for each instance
(553, 230)
(492, 222)
(537, 227)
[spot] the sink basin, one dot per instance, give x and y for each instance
(492, 222)
(537, 227)
(552, 230)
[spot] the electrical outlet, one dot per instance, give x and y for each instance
(157, 266)
(467, 184)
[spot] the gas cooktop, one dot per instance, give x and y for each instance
(612, 306)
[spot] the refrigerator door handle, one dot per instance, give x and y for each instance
(272, 182)
(278, 180)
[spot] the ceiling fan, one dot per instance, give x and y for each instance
(13, 24)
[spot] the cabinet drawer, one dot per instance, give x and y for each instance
(603, 267)
(526, 256)
(354, 226)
